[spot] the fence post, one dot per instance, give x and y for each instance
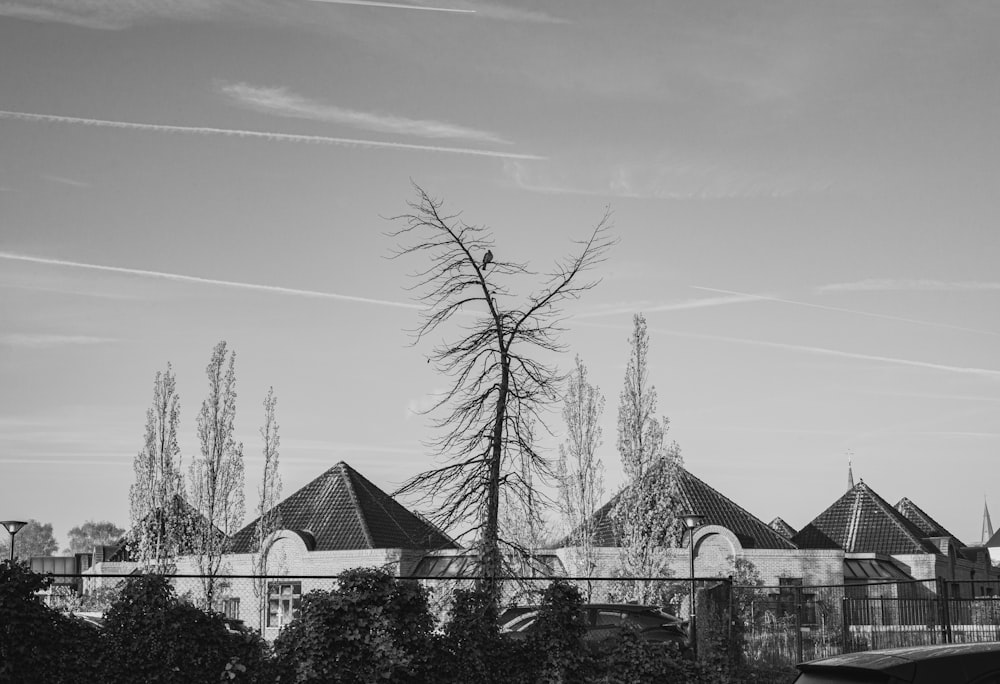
(845, 623)
(943, 611)
(798, 623)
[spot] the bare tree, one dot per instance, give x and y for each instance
(156, 534)
(269, 518)
(646, 515)
(216, 477)
(580, 471)
(497, 384)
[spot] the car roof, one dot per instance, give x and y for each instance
(972, 659)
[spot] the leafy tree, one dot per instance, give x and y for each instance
(646, 515)
(269, 518)
(157, 534)
(84, 538)
(34, 539)
(216, 477)
(498, 385)
(580, 471)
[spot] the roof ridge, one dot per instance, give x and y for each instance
(345, 471)
(897, 518)
(364, 481)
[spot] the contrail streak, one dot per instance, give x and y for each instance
(823, 351)
(273, 289)
(394, 5)
(850, 311)
(262, 135)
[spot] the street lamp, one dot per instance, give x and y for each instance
(692, 521)
(13, 527)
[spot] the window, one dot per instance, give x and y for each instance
(231, 608)
(283, 600)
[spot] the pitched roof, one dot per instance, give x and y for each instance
(861, 521)
(342, 510)
(928, 525)
(752, 532)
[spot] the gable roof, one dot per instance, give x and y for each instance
(342, 510)
(861, 521)
(928, 525)
(696, 495)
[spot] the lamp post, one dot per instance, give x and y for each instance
(692, 521)
(13, 527)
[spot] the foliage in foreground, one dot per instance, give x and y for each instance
(370, 628)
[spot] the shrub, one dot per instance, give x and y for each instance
(370, 628)
(38, 644)
(151, 636)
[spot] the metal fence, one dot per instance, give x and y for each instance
(794, 623)
(769, 626)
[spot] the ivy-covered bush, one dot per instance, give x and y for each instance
(557, 640)
(151, 636)
(471, 648)
(370, 628)
(38, 644)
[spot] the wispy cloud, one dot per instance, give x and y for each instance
(855, 312)
(667, 181)
(66, 181)
(282, 102)
(260, 135)
(396, 5)
(922, 285)
(645, 308)
(271, 289)
(47, 340)
(111, 15)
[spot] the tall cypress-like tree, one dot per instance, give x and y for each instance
(580, 471)
(158, 531)
(269, 518)
(216, 477)
(646, 515)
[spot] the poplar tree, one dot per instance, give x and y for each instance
(269, 518)
(646, 515)
(580, 471)
(216, 477)
(158, 530)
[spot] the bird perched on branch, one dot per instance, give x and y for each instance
(487, 258)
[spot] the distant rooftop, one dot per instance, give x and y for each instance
(342, 510)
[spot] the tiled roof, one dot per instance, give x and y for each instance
(861, 521)
(752, 532)
(342, 510)
(782, 528)
(928, 525)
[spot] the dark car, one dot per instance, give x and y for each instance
(604, 620)
(944, 664)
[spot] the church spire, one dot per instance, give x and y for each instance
(850, 471)
(987, 523)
